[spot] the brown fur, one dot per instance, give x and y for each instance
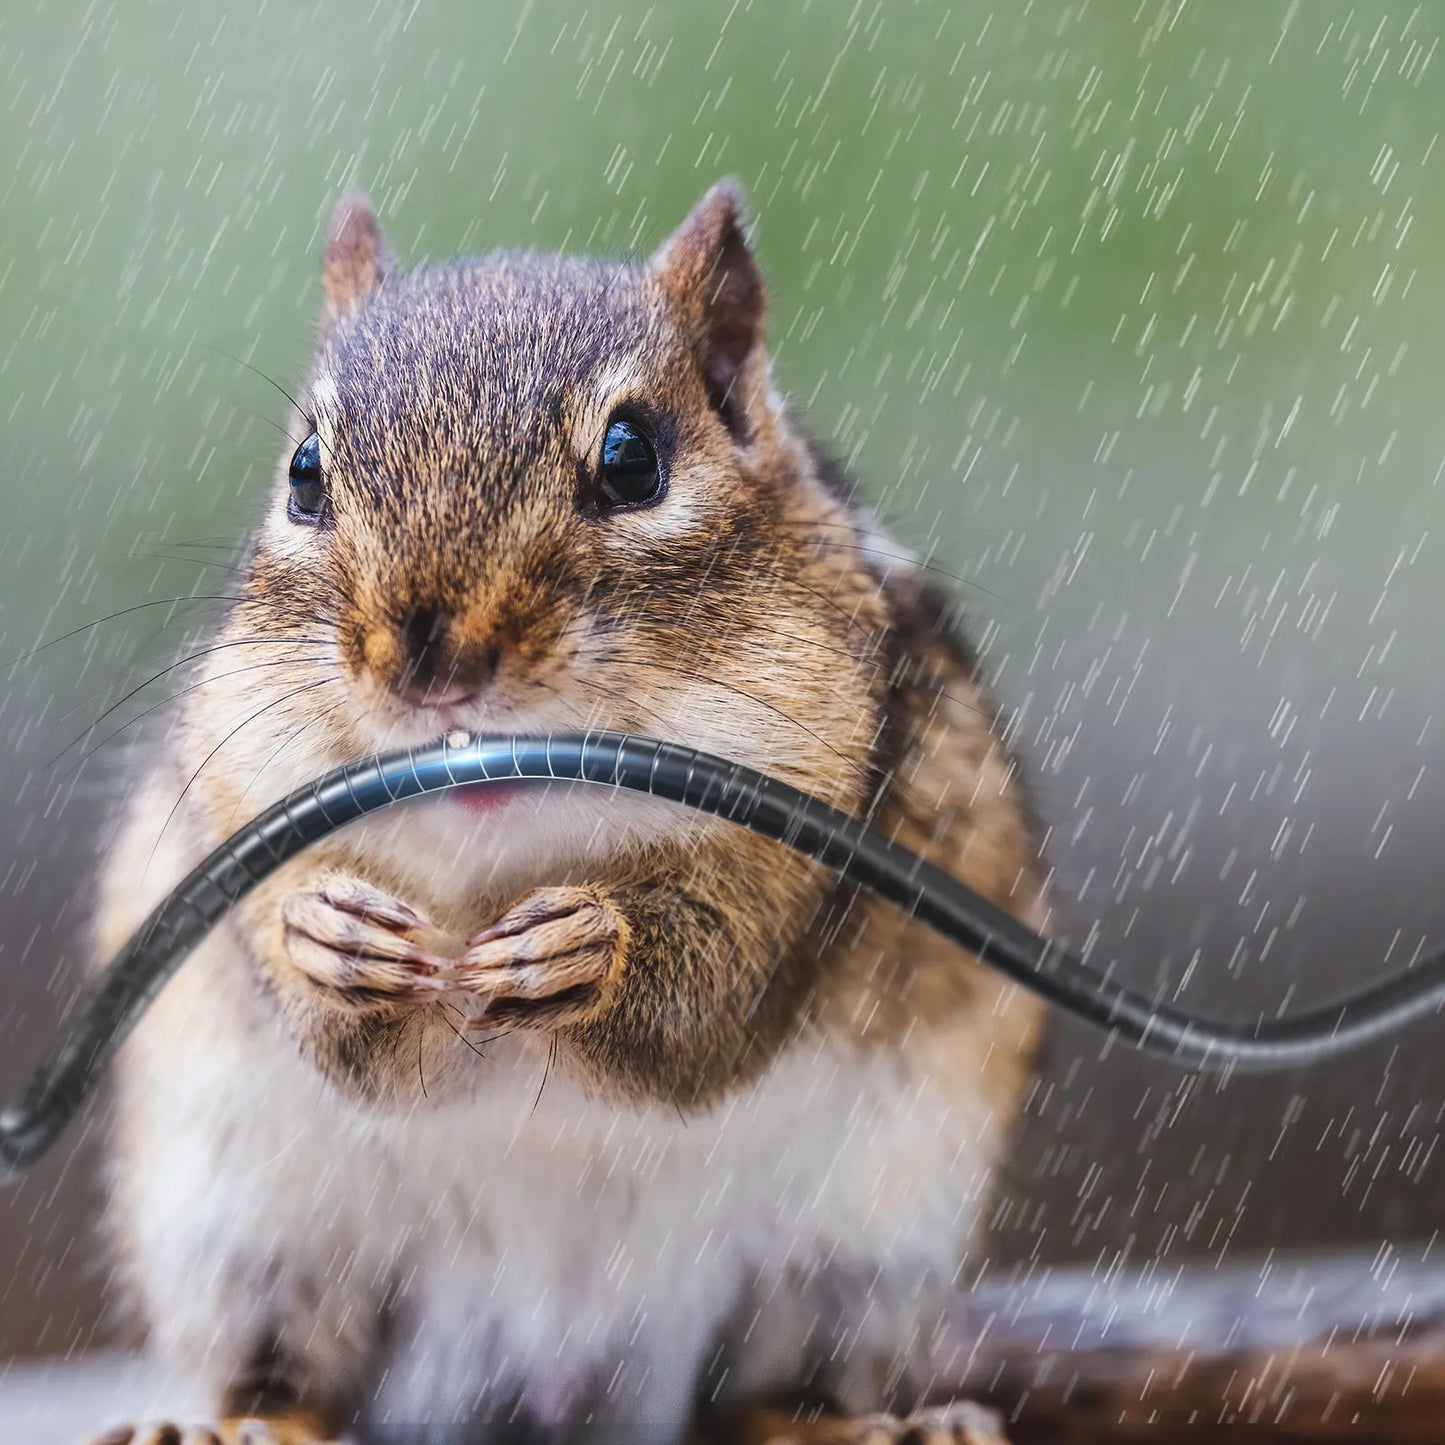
(460, 411)
(464, 419)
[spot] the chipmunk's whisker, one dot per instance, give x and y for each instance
(905, 560)
(121, 612)
(270, 421)
(626, 700)
(168, 668)
(217, 541)
(245, 722)
(146, 554)
(287, 741)
(706, 680)
(166, 702)
(443, 1007)
(256, 371)
(546, 1074)
(420, 1041)
(851, 618)
(182, 662)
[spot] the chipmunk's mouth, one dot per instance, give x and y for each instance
(525, 795)
(491, 797)
(519, 798)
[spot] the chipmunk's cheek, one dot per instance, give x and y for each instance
(675, 520)
(687, 515)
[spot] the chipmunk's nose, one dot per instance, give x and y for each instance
(437, 671)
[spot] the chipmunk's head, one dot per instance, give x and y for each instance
(543, 492)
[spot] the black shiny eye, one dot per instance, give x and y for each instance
(629, 474)
(308, 495)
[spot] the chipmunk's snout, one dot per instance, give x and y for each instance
(424, 661)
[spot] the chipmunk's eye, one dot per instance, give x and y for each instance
(308, 495)
(628, 475)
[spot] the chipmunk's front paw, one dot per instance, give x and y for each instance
(272, 1430)
(361, 949)
(551, 959)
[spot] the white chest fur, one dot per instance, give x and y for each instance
(529, 1242)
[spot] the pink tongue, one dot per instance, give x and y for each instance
(486, 797)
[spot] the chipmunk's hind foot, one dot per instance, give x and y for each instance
(958, 1423)
(291, 1428)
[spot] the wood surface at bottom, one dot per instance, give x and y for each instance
(1277, 1351)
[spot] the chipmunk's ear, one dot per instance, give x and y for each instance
(356, 257)
(707, 272)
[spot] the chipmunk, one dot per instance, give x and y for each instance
(534, 1110)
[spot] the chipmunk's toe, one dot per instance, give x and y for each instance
(164, 1433)
(959, 1423)
(360, 949)
(277, 1430)
(549, 960)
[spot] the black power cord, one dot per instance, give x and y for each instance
(65, 1076)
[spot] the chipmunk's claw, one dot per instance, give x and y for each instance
(550, 959)
(363, 949)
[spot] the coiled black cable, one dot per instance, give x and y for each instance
(65, 1076)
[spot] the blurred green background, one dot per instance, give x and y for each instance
(1131, 314)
